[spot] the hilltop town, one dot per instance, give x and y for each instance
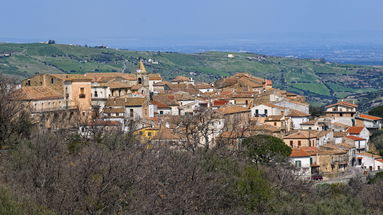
(181, 113)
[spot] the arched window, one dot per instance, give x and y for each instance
(139, 80)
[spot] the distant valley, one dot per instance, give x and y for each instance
(320, 81)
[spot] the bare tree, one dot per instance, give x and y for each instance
(15, 121)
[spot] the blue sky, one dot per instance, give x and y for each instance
(161, 21)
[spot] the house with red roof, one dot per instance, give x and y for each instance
(302, 162)
(359, 143)
(370, 122)
(358, 131)
(368, 161)
(342, 112)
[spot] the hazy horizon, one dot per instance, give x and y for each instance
(124, 24)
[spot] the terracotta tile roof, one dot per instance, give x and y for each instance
(354, 138)
(71, 77)
(274, 118)
(244, 81)
(114, 110)
(117, 85)
(311, 122)
(167, 99)
(355, 130)
(346, 104)
(126, 76)
(303, 134)
(136, 87)
(220, 102)
(269, 82)
(331, 149)
(310, 150)
(233, 109)
(346, 145)
(36, 93)
(338, 124)
(366, 154)
(160, 104)
(155, 77)
(295, 153)
(295, 113)
(369, 117)
(379, 160)
(130, 102)
(203, 86)
(184, 88)
(243, 94)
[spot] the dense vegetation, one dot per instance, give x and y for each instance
(319, 80)
(60, 172)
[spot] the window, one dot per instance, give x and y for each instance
(52, 80)
(275, 123)
(131, 112)
(82, 93)
(299, 143)
(141, 132)
(265, 111)
(247, 102)
(28, 83)
(298, 164)
(139, 80)
(341, 114)
(256, 112)
(149, 134)
(95, 94)
(334, 109)
(161, 112)
(291, 143)
(311, 160)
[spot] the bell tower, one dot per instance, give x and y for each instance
(142, 77)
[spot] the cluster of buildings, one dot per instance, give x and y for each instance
(185, 113)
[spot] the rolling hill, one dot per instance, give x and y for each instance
(319, 80)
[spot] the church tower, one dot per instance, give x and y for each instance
(142, 78)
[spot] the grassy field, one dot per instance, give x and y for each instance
(320, 81)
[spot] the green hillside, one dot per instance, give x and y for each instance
(320, 81)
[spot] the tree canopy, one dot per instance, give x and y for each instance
(265, 148)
